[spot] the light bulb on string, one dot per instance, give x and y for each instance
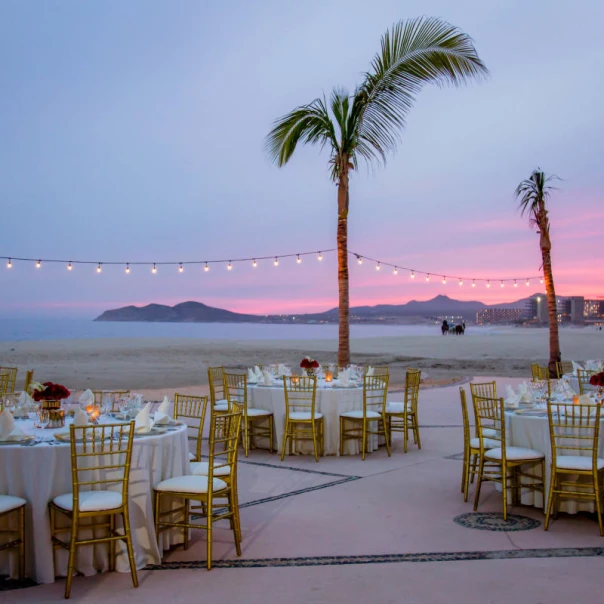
(254, 264)
(39, 264)
(473, 283)
(412, 274)
(428, 277)
(298, 259)
(488, 284)
(69, 267)
(127, 268)
(154, 269)
(276, 262)
(444, 280)
(181, 268)
(395, 270)
(229, 266)
(320, 257)
(359, 260)
(98, 268)
(541, 280)
(206, 268)
(460, 281)
(377, 266)
(502, 283)
(515, 284)
(528, 282)
(9, 264)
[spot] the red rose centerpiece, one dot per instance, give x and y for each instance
(309, 365)
(50, 394)
(597, 379)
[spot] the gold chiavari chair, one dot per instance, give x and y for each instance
(218, 396)
(115, 395)
(209, 490)
(11, 372)
(583, 377)
(9, 506)
(574, 433)
(539, 372)
(486, 390)
(563, 368)
(375, 391)
(3, 387)
(236, 391)
(100, 457)
(403, 417)
(193, 410)
(29, 378)
(379, 371)
(302, 421)
(503, 463)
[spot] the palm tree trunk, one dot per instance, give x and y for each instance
(552, 307)
(342, 237)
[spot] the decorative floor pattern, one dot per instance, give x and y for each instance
(493, 521)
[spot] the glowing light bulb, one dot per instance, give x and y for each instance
(541, 280)
(444, 280)
(9, 264)
(127, 268)
(181, 268)
(515, 284)
(377, 266)
(320, 257)
(502, 284)
(276, 262)
(428, 277)
(412, 275)
(230, 266)
(39, 264)
(254, 264)
(98, 268)
(298, 259)
(69, 267)
(488, 284)
(154, 269)
(206, 268)
(395, 270)
(460, 282)
(359, 260)
(473, 283)
(528, 282)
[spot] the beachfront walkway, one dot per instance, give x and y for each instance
(343, 530)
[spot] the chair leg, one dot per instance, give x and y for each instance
(364, 441)
(598, 504)
(322, 437)
(21, 543)
(416, 437)
(246, 436)
(111, 544)
(72, 553)
(386, 437)
(405, 433)
(504, 490)
(272, 443)
(478, 484)
(156, 518)
(341, 436)
(187, 517)
(473, 472)
(128, 539)
(209, 530)
(314, 440)
(285, 436)
(232, 506)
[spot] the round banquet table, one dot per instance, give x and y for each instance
(41, 472)
(532, 431)
(331, 401)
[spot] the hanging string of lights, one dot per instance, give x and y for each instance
(255, 260)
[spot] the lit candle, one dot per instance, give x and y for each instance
(575, 400)
(295, 380)
(329, 376)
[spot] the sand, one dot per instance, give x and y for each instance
(151, 364)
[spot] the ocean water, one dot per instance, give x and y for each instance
(69, 329)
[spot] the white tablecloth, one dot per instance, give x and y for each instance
(40, 473)
(331, 402)
(533, 432)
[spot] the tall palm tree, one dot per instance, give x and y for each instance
(533, 194)
(367, 124)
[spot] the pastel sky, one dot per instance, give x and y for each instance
(133, 131)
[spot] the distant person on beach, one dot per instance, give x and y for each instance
(444, 328)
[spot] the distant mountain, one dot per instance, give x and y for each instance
(196, 312)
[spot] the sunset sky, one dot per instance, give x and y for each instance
(133, 131)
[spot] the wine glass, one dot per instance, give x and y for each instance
(43, 418)
(107, 403)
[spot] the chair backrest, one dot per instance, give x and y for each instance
(217, 385)
(489, 413)
(574, 430)
(11, 372)
(464, 416)
(413, 379)
(563, 368)
(300, 394)
(193, 410)
(3, 384)
(483, 389)
(29, 378)
(114, 395)
(224, 439)
(235, 390)
(583, 377)
(100, 456)
(375, 392)
(539, 372)
(379, 371)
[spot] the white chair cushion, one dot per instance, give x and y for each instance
(576, 462)
(8, 502)
(202, 468)
(489, 432)
(303, 415)
(192, 456)
(190, 484)
(488, 443)
(253, 412)
(90, 501)
(221, 405)
(358, 414)
(514, 454)
(395, 407)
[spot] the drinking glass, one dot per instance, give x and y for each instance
(107, 403)
(33, 412)
(43, 418)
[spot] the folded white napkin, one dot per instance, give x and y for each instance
(251, 376)
(80, 418)
(25, 400)
(344, 377)
(567, 389)
(283, 370)
(593, 366)
(267, 378)
(258, 374)
(511, 398)
(143, 422)
(370, 371)
(7, 423)
(575, 367)
(162, 415)
(87, 397)
(525, 394)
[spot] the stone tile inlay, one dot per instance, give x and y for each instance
(493, 521)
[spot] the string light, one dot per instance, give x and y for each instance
(527, 283)
(206, 268)
(254, 264)
(127, 268)
(230, 266)
(320, 257)
(428, 277)
(276, 262)
(412, 274)
(154, 269)
(460, 281)
(69, 267)
(395, 270)
(515, 284)
(541, 280)
(359, 260)
(377, 266)
(98, 268)
(9, 264)
(502, 284)
(298, 259)
(473, 283)
(444, 280)
(181, 268)
(39, 264)
(488, 284)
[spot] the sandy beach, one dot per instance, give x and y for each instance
(169, 363)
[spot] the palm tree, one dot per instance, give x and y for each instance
(367, 124)
(533, 194)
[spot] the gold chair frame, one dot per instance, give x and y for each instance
(470, 454)
(89, 445)
(16, 536)
(3, 388)
(563, 368)
(236, 391)
(224, 435)
(403, 421)
(192, 407)
(574, 431)
(583, 377)
(217, 386)
(375, 392)
(380, 371)
(11, 372)
(489, 413)
(117, 394)
(301, 394)
(539, 372)
(29, 378)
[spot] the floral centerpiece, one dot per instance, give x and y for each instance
(309, 364)
(597, 379)
(48, 391)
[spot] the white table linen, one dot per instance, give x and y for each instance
(331, 401)
(41, 472)
(532, 432)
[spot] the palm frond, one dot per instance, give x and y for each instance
(413, 53)
(533, 192)
(306, 124)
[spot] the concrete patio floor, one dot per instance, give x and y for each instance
(379, 530)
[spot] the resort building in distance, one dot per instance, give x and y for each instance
(574, 309)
